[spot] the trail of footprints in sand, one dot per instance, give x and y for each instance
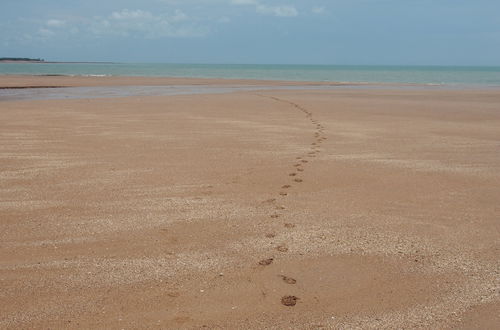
(297, 169)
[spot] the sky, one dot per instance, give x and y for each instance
(352, 32)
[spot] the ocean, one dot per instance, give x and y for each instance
(440, 75)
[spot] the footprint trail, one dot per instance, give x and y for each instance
(298, 168)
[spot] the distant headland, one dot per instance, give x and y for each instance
(41, 60)
(21, 59)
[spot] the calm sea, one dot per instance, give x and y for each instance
(448, 75)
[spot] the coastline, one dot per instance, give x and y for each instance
(372, 207)
(60, 80)
(299, 73)
(88, 81)
(53, 87)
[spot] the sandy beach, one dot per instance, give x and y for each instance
(310, 209)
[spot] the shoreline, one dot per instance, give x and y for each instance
(95, 80)
(8, 81)
(461, 76)
(57, 87)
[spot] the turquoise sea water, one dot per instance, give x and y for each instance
(449, 75)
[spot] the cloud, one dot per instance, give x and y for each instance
(144, 24)
(179, 16)
(124, 23)
(318, 10)
(244, 2)
(280, 11)
(45, 33)
(126, 14)
(55, 23)
(224, 19)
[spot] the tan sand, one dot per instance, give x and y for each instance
(276, 209)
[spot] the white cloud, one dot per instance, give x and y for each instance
(281, 11)
(318, 10)
(45, 33)
(55, 23)
(144, 24)
(179, 16)
(123, 23)
(244, 2)
(126, 14)
(224, 19)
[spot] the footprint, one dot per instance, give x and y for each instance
(289, 225)
(300, 169)
(297, 165)
(288, 280)
(282, 248)
(289, 301)
(283, 193)
(298, 158)
(298, 180)
(304, 161)
(280, 207)
(286, 186)
(275, 216)
(173, 294)
(292, 174)
(270, 200)
(266, 262)
(271, 235)
(182, 319)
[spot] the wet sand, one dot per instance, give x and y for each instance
(9, 81)
(255, 209)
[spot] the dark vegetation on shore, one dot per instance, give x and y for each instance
(22, 59)
(26, 87)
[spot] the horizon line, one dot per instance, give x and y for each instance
(244, 64)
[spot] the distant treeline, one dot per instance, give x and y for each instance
(21, 59)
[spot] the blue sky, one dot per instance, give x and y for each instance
(419, 32)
